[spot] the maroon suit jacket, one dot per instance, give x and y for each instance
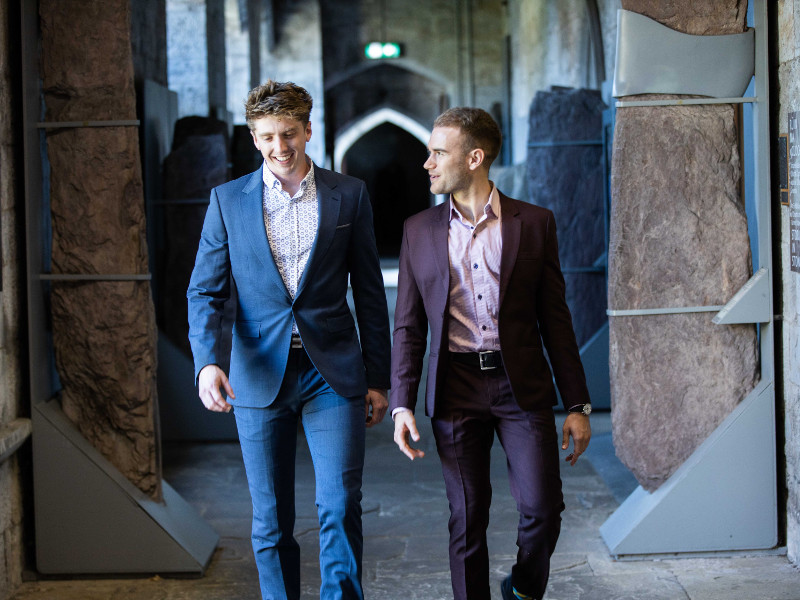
(533, 310)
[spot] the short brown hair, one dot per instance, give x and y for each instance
(479, 129)
(278, 99)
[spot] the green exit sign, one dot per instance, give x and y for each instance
(380, 50)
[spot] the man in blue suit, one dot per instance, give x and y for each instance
(287, 237)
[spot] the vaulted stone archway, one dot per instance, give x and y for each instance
(387, 149)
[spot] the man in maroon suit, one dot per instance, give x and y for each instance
(482, 271)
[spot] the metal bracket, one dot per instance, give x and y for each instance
(643, 312)
(685, 101)
(79, 124)
(654, 59)
(95, 277)
(750, 304)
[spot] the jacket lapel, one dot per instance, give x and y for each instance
(252, 209)
(511, 228)
(439, 231)
(330, 201)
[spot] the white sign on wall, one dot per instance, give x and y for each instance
(794, 192)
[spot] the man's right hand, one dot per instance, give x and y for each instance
(404, 425)
(209, 380)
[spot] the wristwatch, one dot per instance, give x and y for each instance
(584, 409)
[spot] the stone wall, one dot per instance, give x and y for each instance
(458, 44)
(149, 40)
(678, 238)
(187, 71)
(14, 471)
(453, 55)
(103, 332)
(550, 46)
(296, 56)
(789, 99)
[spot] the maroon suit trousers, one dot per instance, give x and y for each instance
(475, 405)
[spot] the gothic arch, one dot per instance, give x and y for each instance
(366, 123)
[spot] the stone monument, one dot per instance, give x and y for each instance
(678, 238)
(103, 331)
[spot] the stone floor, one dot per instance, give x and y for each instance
(405, 525)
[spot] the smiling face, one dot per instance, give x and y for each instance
(282, 143)
(448, 161)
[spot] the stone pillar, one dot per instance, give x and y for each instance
(187, 55)
(788, 76)
(13, 471)
(254, 31)
(217, 77)
(103, 332)
(678, 238)
(568, 179)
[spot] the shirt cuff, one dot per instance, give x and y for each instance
(399, 409)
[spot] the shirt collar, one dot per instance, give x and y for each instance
(490, 209)
(271, 182)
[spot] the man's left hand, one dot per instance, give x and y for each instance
(377, 401)
(577, 427)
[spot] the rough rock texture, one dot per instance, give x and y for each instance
(568, 179)
(104, 333)
(788, 76)
(198, 162)
(678, 238)
(15, 469)
(695, 17)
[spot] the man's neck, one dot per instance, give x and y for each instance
(292, 185)
(471, 202)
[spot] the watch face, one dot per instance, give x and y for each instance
(587, 409)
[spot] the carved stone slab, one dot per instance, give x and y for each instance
(567, 178)
(678, 239)
(103, 333)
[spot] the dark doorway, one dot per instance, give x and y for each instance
(389, 160)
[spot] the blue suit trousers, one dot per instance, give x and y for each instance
(335, 429)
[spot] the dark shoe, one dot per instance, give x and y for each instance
(506, 589)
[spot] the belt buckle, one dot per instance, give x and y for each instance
(482, 359)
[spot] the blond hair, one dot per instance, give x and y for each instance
(277, 99)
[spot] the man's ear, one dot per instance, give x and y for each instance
(255, 139)
(475, 157)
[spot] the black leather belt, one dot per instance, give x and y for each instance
(489, 359)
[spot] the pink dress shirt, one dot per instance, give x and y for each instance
(475, 252)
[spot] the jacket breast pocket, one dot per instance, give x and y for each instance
(248, 329)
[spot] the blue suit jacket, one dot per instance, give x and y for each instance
(234, 250)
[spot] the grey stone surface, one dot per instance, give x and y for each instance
(405, 528)
(678, 238)
(13, 470)
(788, 17)
(149, 40)
(569, 179)
(103, 333)
(696, 17)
